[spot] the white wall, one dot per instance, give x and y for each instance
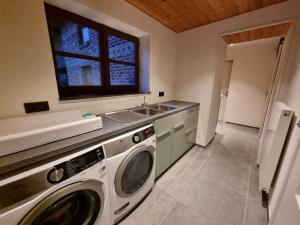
(284, 208)
(195, 58)
(254, 67)
(27, 70)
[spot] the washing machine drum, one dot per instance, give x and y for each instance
(76, 204)
(134, 171)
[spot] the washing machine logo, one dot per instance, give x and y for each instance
(122, 209)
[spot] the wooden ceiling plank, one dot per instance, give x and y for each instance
(230, 7)
(276, 30)
(181, 15)
(242, 6)
(184, 12)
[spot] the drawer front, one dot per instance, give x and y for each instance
(178, 142)
(163, 151)
(191, 118)
(163, 124)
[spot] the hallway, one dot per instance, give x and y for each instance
(212, 186)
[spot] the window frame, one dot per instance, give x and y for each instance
(69, 92)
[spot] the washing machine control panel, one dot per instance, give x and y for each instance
(74, 166)
(143, 134)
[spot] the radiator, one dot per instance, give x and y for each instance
(272, 143)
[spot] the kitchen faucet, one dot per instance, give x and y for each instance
(145, 94)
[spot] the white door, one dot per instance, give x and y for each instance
(225, 87)
(252, 72)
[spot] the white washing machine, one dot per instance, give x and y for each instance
(131, 169)
(69, 191)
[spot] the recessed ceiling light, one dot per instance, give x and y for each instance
(231, 45)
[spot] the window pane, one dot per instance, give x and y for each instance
(121, 74)
(121, 49)
(74, 38)
(78, 72)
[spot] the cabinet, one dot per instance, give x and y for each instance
(175, 134)
(163, 130)
(190, 126)
(178, 136)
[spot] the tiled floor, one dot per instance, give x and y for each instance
(212, 186)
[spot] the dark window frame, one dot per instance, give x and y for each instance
(67, 92)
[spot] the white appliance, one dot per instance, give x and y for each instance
(71, 190)
(20, 133)
(272, 143)
(131, 169)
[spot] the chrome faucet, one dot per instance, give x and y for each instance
(145, 94)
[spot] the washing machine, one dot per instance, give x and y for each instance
(131, 169)
(72, 190)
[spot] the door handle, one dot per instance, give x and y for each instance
(178, 127)
(190, 130)
(163, 135)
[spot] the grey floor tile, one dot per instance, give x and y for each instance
(179, 183)
(208, 185)
(216, 202)
(152, 210)
(230, 173)
(254, 191)
(255, 213)
(182, 215)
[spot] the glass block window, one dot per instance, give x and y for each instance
(81, 68)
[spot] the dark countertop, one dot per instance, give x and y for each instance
(27, 159)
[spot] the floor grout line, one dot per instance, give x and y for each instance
(248, 188)
(168, 211)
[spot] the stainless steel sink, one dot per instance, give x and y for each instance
(163, 107)
(124, 116)
(147, 111)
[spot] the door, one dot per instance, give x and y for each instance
(134, 171)
(252, 72)
(178, 137)
(76, 204)
(163, 128)
(225, 87)
(163, 151)
(190, 126)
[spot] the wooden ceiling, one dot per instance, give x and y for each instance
(258, 33)
(181, 15)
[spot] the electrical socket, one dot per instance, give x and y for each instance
(161, 94)
(31, 107)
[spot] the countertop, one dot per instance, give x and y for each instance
(27, 159)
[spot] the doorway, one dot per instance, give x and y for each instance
(225, 86)
(249, 73)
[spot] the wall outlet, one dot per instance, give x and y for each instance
(161, 94)
(31, 107)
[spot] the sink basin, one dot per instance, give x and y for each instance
(124, 116)
(147, 111)
(163, 107)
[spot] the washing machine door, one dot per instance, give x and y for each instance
(75, 204)
(134, 171)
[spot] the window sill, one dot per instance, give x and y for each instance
(84, 98)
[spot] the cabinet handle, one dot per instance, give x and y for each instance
(178, 127)
(190, 130)
(163, 135)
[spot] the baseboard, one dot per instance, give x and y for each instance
(205, 146)
(242, 125)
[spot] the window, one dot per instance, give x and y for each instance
(90, 58)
